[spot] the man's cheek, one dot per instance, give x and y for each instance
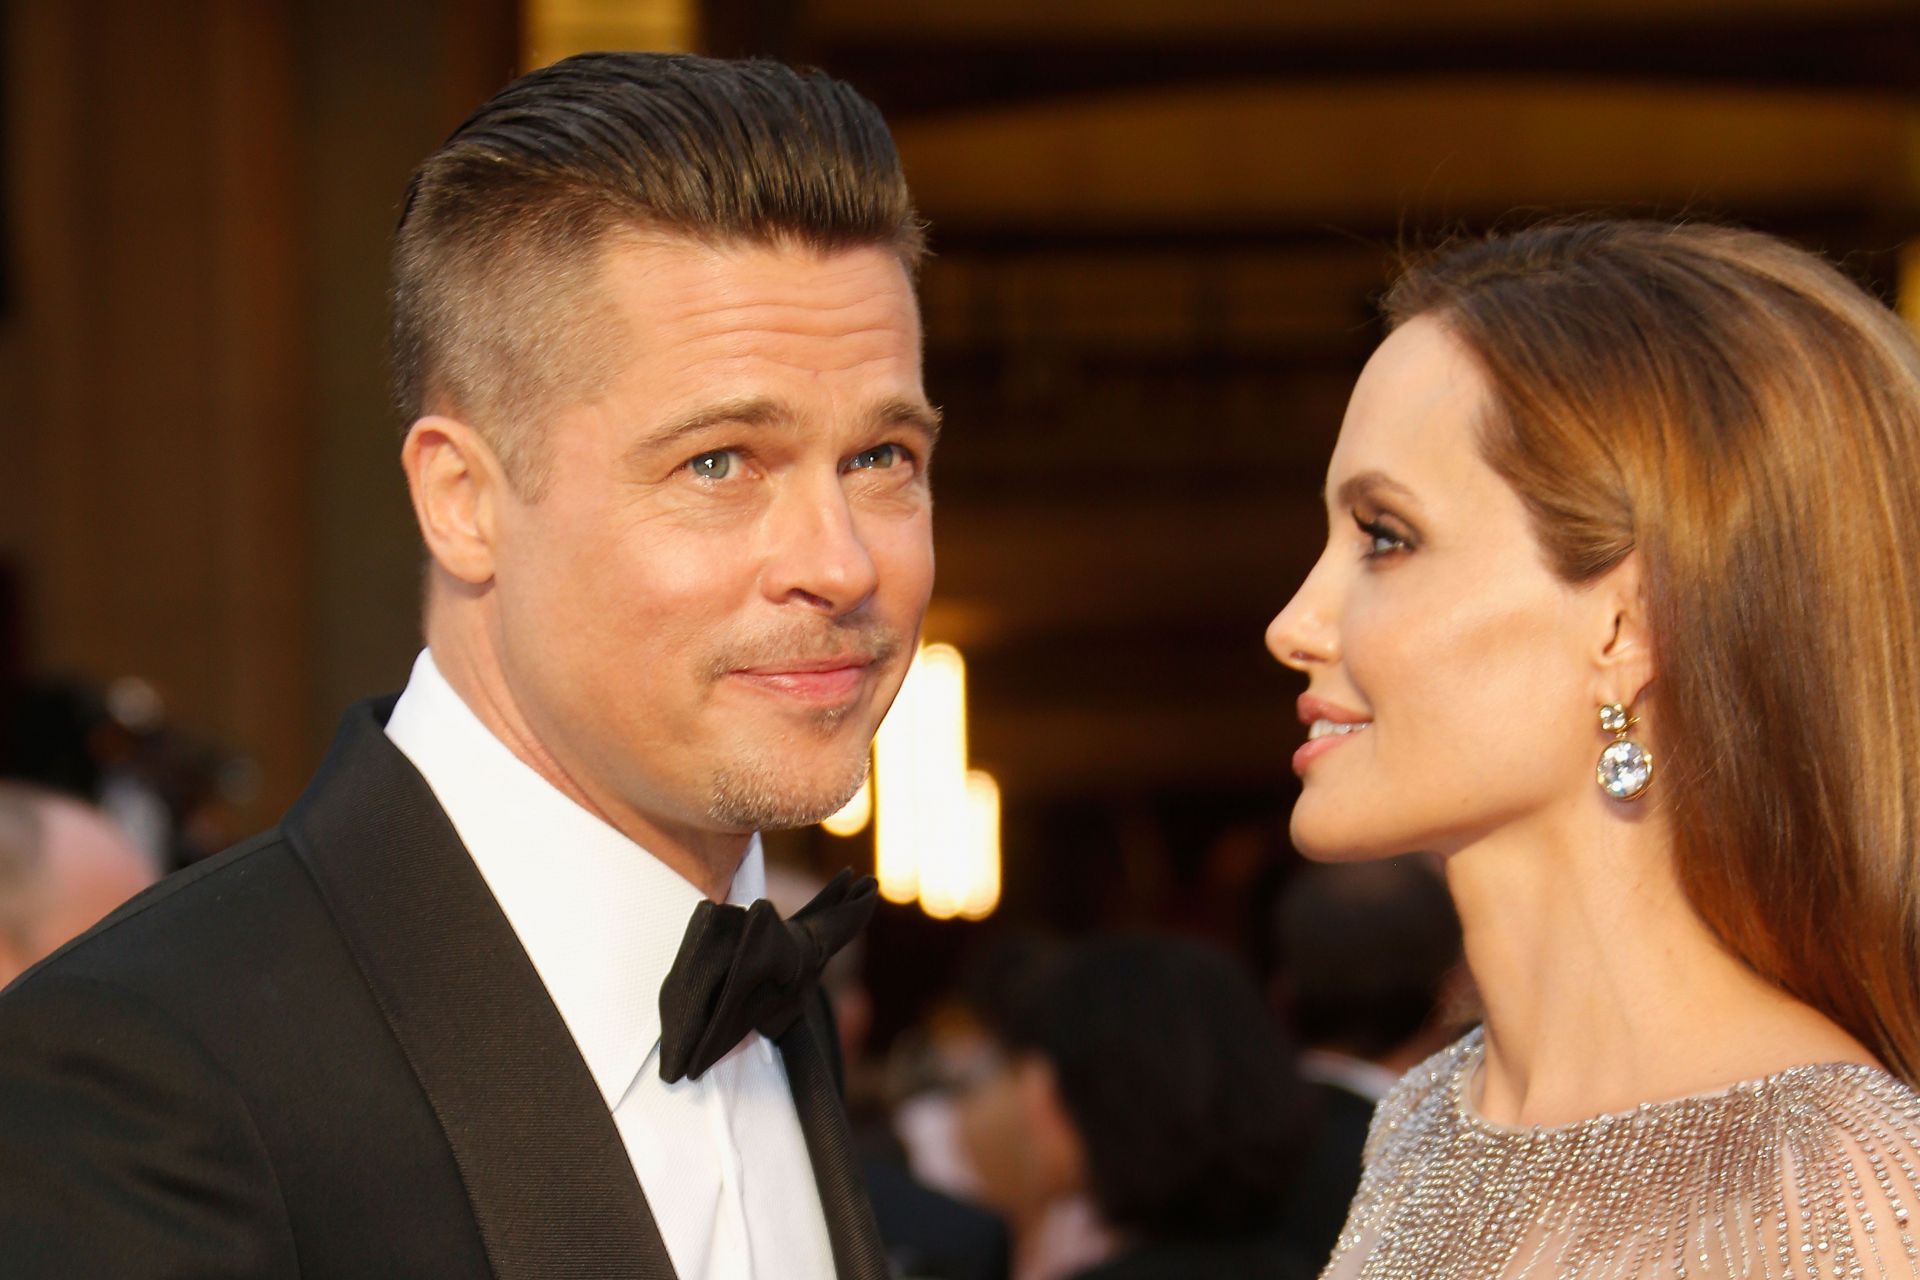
(905, 565)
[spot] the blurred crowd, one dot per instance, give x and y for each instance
(1147, 1106)
(114, 747)
(100, 795)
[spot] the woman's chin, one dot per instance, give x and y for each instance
(1331, 837)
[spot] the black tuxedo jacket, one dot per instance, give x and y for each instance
(324, 1054)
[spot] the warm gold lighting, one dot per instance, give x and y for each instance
(982, 893)
(936, 827)
(853, 816)
(920, 769)
(1909, 285)
(555, 29)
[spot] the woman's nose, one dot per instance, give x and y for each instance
(1302, 635)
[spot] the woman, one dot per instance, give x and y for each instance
(1617, 615)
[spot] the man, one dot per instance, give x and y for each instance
(62, 867)
(656, 335)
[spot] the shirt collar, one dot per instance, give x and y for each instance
(599, 916)
(1343, 1071)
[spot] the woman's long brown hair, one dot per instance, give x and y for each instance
(1746, 421)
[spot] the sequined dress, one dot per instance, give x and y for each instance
(1812, 1173)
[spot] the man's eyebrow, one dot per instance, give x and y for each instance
(745, 411)
(764, 411)
(1356, 488)
(900, 412)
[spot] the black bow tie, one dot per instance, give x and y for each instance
(743, 969)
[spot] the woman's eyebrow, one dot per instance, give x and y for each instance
(1367, 484)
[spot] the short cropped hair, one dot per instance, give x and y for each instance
(1177, 1080)
(496, 257)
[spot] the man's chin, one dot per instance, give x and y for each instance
(776, 794)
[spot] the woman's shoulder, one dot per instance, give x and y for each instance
(1842, 1180)
(1815, 1162)
(1419, 1096)
(1850, 1139)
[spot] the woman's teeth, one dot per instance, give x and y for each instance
(1329, 728)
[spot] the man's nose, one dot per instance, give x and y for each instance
(815, 553)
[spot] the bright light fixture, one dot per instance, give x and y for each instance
(936, 828)
(854, 815)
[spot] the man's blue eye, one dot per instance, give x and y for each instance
(880, 457)
(712, 466)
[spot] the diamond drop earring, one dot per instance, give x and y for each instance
(1626, 767)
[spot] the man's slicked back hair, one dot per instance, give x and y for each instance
(495, 262)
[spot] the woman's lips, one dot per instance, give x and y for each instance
(1325, 739)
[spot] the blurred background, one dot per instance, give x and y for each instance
(1158, 228)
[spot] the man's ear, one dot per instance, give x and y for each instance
(457, 484)
(1623, 649)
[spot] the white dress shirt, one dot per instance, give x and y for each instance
(1363, 1079)
(722, 1159)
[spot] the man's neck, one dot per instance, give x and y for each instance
(707, 859)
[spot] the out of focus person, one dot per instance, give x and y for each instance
(957, 1044)
(1146, 1075)
(1366, 955)
(114, 746)
(62, 867)
(928, 1233)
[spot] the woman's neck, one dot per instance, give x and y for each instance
(1603, 989)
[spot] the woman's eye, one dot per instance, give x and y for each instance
(879, 457)
(1381, 541)
(713, 465)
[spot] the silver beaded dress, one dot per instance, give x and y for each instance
(1812, 1173)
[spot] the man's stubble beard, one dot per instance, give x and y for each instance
(755, 792)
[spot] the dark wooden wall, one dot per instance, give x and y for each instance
(198, 475)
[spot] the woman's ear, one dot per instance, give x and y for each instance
(456, 483)
(1623, 649)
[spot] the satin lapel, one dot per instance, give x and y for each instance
(552, 1188)
(857, 1251)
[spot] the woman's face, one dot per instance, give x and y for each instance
(1454, 679)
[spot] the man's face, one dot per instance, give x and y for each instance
(713, 600)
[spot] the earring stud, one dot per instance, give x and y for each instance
(1625, 767)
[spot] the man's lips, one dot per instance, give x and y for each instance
(821, 681)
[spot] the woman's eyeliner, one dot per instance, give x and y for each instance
(1383, 541)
